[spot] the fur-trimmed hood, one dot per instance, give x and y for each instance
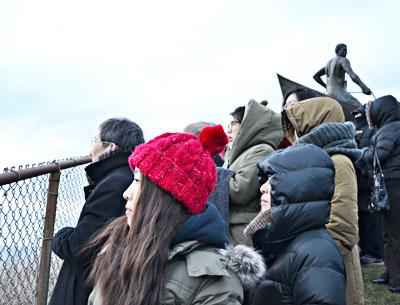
(246, 262)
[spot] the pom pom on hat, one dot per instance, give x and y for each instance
(180, 164)
(214, 139)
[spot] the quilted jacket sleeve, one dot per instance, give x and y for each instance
(385, 142)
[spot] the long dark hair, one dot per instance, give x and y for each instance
(131, 268)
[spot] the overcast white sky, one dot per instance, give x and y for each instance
(67, 65)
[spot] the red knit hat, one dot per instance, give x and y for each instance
(180, 164)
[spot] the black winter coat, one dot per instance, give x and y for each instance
(385, 115)
(111, 176)
(363, 176)
(305, 266)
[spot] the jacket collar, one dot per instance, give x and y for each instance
(334, 138)
(99, 169)
(184, 248)
(207, 227)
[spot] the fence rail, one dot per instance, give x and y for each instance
(30, 199)
(12, 175)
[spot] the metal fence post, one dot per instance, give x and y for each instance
(42, 286)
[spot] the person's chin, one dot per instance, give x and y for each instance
(264, 203)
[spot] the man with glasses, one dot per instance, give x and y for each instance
(109, 176)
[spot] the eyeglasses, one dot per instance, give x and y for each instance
(233, 123)
(289, 104)
(94, 141)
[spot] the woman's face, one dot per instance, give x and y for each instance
(131, 195)
(265, 190)
(233, 130)
(291, 100)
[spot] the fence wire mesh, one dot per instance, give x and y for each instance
(22, 215)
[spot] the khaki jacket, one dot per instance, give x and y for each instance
(343, 221)
(259, 134)
(200, 274)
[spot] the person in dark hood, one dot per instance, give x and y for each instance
(384, 115)
(109, 175)
(371, 242)
(170, 246)
(304, 263)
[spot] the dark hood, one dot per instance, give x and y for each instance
(384, 110)
(99, 169)
(207, 227)
(302, 185)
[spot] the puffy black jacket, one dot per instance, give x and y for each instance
(111, 176)
(305, 266)
(384, 114)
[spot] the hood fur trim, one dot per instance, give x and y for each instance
(246, 262)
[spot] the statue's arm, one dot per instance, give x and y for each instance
(318, 75)
(347, 67)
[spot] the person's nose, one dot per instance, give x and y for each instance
(264, 188)
(126, 194)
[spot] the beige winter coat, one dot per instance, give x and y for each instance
(343, 222)
(259, 134)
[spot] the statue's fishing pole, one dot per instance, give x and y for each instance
(357, 92)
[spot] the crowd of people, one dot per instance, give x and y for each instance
(274, 211)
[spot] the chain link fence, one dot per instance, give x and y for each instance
(22, 223)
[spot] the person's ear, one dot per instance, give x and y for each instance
(113, 146)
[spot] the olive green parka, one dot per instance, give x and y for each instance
(199, 274)
(259, 134)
